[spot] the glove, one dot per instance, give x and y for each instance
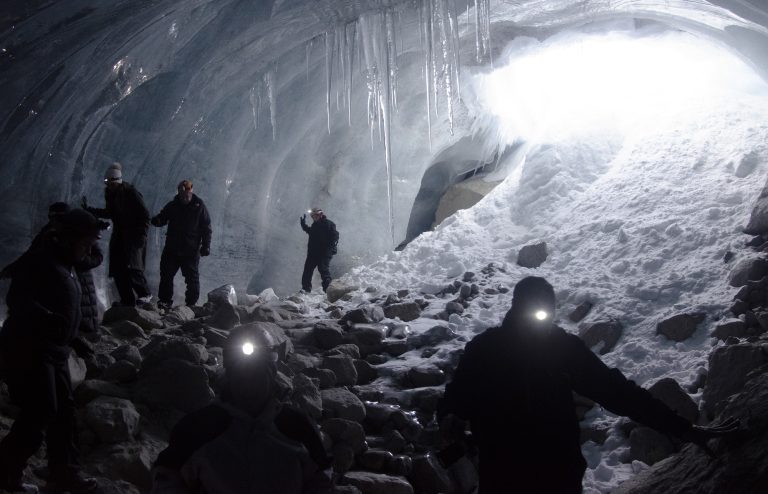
(84, 203)
(699, 435)
(303, 219)
(205, 251)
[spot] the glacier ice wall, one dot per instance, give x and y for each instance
(235, 95)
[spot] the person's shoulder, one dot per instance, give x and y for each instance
(487, 338)
(209, 418)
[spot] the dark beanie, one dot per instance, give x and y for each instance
(58, 208)
(79, 222)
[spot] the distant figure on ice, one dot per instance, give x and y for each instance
(514, 385)
(188, 238)
(128, 244)
(248, 442)
(322, 245)
(35, 342)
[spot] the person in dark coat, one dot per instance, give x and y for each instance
(188, 238)
(514, 385)
(128, 244)
(89, 308)
(249, 441)
(43, 320)
(321, 247)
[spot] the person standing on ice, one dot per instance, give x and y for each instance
(514, 385)
(321, 247)
(128, 243)
(188, 238)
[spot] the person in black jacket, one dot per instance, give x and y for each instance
(188, 238)
(43, 320)
(321, 247)
(249, 441)
(128, 244)
(514, 385)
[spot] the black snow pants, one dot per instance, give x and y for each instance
(502, 473)
(131, 284)
(322, 263)
(169, 266)
(47, 412)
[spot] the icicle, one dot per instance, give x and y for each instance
(328, 65)
(269, 85)
(477, 31)
(309, 53)
(426, 20)
(453, 17)
(391, 56)
(255, 107)
(349, 34)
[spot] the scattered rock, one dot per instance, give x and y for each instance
(406, 311)
(225, 294)
(431, 337)
(121, 371)
(345, 349)
(306, 396)
(375, 460)
(454, 308)
(94, 388)
(751, 268)
(604, 334)
(147, 320)
(758, 220)
(338, 402)
(225, 317)
(112, 419)
(671, 394)
(730, 327)
(728, 370)
(649, 446)
(343, 367)
(129, 353)
(160, 350)
(174, 383)
(326, 378)
(367, 337)
(338, 289)
(419, 377)
(347, 432)
(126, 330)
(429, 477)
(533, 255)
(179, 315)
(366, 373)
(377, 483)
(364, 315)
(327, 334)
(77, 370)
(680, 327)
(581, 311)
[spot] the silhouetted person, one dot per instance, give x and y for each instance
(248, 442)
(128, 243)
(188, 238)
(43, 319)
(514, 385)
(321, 247)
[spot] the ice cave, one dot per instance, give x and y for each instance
(625, 141)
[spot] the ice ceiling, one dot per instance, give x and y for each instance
(274, 106)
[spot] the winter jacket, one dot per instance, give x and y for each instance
(89, 302)
(43, 308)
(221, 449)
(517, 395)
(189, 226)
(130, 219)
(323, 238)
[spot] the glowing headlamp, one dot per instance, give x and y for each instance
(248, 348)
(540, 315)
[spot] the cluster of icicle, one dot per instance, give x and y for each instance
(370, 45)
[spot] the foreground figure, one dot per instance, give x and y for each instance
(248, 442)
(188, 238)
(321, 247)
(514, 385)
(43, 319)
(128, 244)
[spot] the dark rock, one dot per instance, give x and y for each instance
(603, 333)
(162, 349)
(738, 308)
(399, 331)
(343, 367)
(129, 353)
(121, 371)
(378, 414)
(429, 477)
(426, 399)
(147, 320)
(224, 294)
(375, 460)
(126, 330)
(216, 337)
(306, 396)
(432, 337)
(367, 337)
(465, 291)
(338, 289)
(391, 441)
(326, 378)
(298, 362)
(731, 327)
(533, 255)
(680, 327)
(377, 483)
(751, 268)
(364, 315)
(671, 394)
(346, 489)
(758, 219)
(338, 402)
(419, 377)
(366, 373)
(400, 465)
(281, 343)
(597, 435)
(407, 311)
(728, 370)
(649, 446)
(327, 334)
(93, 388)
(468, 276)
(112, 419)
(225, 317)
(395, 347)
(581, 311)
(174, 383)
(348, 349)
(454, 308)
(376, 359)
(77, 370)
(347, 432)
(178, 316)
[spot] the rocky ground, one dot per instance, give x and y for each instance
(370, 368)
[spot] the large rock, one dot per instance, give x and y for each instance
(225, 317)
(225, 294)
(112, 419)
(366, 373)
(163, 349)
(175, 383)
(429, 477)
(533, 255)
(750, 268)
(306, 396)
(127, 461)
(406, 311)
(338, 289)
(340, 403)
(364, 315)
(347, 432)
(129, 353)
(758, 220)
(368, 337)
(671, 394)
(580, 311)
(649, 446)
(344, 368)
(604, 334)
(427, 375)
(728, 370)
(680, 327)
(77, 370)
(741, 464)
(94, 388)
(327, 334)
(732, 327)
(121, 371)
(431, 337)
(148, 320)
(126, 330)
(282, 343)
(179, 315)
(377, 483)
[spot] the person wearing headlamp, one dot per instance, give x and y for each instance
(321, 247)
(249, 441)
(514, 384)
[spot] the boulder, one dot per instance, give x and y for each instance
(669, 392)
(432, 337)
(225, 317)
(338, 402)
(731, 327)
(126, 330)
(283, 345)
(338, 289)
(580, 311)
(128, 461)
(160, 350)
(375, 460)
(427, 476)
(601, 334)
(533, 255)
(129, 353)
(728, 370)
(649, 446)
(215, 337)
(147, 320)
(680, 327)
(758, 219)
(366, 373)
(406, 311)
(364, 315)
(327, 334)
(112, 419)
(121, 371)
(174, 383)
(77, 370)
(377, 483)
(347, 432)
(348, 349)
(178, 316)
(343, 367)
(225, 294)
(367, 337)
(94, 388)
(750, 268)
(306, 396)
(419, 377)
(454, 308)
(325, 378)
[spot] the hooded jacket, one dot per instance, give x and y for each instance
(323, 237)
(189, 226)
